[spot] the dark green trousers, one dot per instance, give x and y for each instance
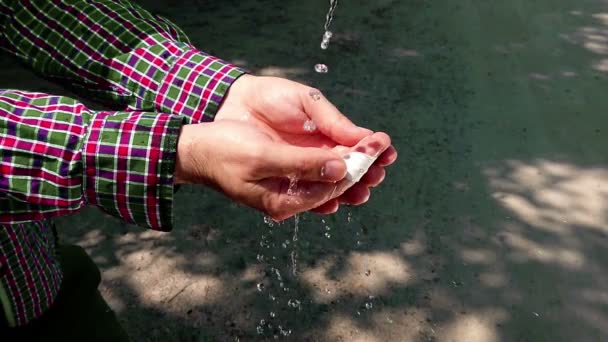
(79, 313)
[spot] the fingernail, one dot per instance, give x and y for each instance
(334, 170)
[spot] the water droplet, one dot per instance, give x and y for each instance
(368, 272)
(260, 287)
(326, 38)
(327, 235)
(272, 314)
(294, 263)
(296, 226)
(358, 313)
(368, 306)
(260, 330)
(309, 126)
(294, 303)
(293, 186)
(328, 228)
(269, 221)
(272, 298)
(284, 245)
(389, 320)
(321, 68)
(260, 257)
(327, 290)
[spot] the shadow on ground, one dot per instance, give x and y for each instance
(493, 225)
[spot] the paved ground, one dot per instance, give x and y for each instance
(493, 226)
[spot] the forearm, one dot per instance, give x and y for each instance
(57, 156)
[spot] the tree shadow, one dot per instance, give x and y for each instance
(492, 226)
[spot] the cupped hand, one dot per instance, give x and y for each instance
(300, 115)
(255, 167)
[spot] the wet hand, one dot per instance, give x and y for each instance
(254, 167)
(302, 116)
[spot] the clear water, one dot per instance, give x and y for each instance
(309, 126)
(282, 245)
(321, 68)
(327, 34)
(277, 287)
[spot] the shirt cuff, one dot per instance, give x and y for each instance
(129, 161)
(195, 86)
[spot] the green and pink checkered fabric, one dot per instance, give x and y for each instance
(58, 156)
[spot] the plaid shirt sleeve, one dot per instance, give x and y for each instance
(57, 155)
(52, 148)
(117, 52)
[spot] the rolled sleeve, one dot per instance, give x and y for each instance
(196, 85)
(129, 161)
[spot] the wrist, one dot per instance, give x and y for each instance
(235, 97)
(185, 160)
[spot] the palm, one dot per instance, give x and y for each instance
(283, 110)
(277, 111)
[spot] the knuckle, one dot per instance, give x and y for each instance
(315, 94)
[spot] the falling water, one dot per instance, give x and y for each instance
(276, 280)
(327, 34)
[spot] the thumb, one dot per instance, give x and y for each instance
(307, 163)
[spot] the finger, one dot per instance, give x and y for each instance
(285, 198)
(388, 157)
(373, 145)
(328, 119)
(305, 163)
(374, 176)
(309, 194)
(311, 140)
(289, 197)
(330, 207)
(356, 195)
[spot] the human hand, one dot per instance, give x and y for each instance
(302, 116)
(253, 166)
